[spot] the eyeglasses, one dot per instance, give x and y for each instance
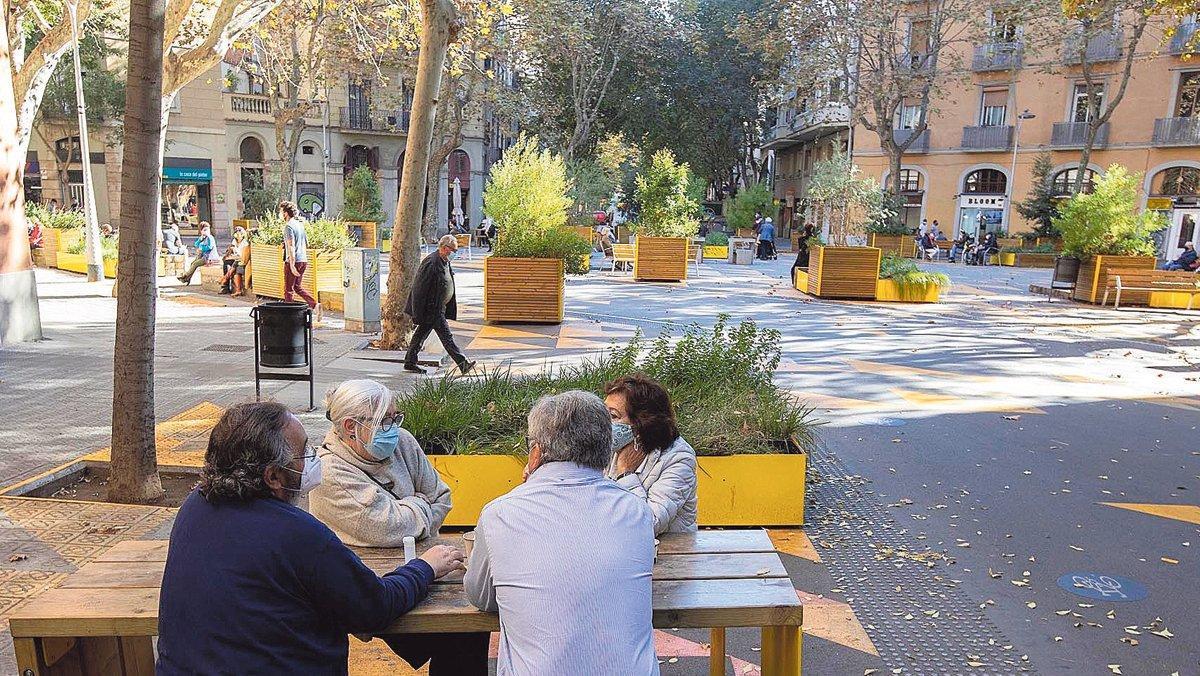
(386, 423)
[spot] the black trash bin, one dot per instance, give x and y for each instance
(282, 340)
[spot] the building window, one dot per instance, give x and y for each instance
(307, 150)
(1063, 182)
(910, 115)
(1083, 106)
(1188, 102)
(918, 38)
(1176, 182)
(910, 180)
(1004, 27)
(250, 151)
(994, 108)
(990, 181)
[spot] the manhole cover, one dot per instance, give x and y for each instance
(1103, 587)
(228, 348)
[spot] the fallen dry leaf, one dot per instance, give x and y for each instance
(17, 557)
(1115, 668)
(1167, 559)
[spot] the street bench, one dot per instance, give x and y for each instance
(1172, 281)
(624, 254)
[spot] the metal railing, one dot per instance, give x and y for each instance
(1073, 135)
(1100, 47)
(1177, 131)
(1184, 39)
(997, 56)
(987, 138)
(921, 145)
(373, 120)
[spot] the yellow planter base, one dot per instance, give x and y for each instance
(716, 252)
(1169, 299)
(887, 290)
(801, 281)
(736, 490)
(1009, 259)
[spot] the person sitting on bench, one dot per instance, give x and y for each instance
(1188, 260)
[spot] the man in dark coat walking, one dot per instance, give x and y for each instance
(431, 303)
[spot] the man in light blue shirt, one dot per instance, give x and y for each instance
(567, 557)
(766, 239)
(295, 256)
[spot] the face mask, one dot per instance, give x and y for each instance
(310, 478)
(383, 444)
(622, 435)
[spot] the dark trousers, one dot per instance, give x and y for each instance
(442, 328)
(447, 654)
(292, 284)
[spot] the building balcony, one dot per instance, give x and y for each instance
(921, 145)
(1098, 48)
(801, 126)
(248, 107)
(384, 121)
(1073, 135)
(997, 56)
(987, 138)
(1177, 131)
(1184, 39)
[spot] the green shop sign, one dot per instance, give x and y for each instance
(187, 174)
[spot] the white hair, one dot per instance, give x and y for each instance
(573, 426)
(363, 400)
(448, 241)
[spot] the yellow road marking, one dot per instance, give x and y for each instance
(493, 344)
(1185, 513)
(834, 621)
(818, 400)
(490, 331)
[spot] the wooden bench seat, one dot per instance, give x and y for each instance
(623, 253)
(1124, 280)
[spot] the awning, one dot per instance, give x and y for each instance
(186, 170)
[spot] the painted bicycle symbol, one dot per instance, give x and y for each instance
(1103, 587)
(1103, 584)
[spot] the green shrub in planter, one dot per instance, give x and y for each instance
(1106, 222)
(716, 238)
(665, 195)
(323, 234)
(108, 248)
(740, 209)
(59, 220)
(720, 380)
(362, 197)
(908, 277)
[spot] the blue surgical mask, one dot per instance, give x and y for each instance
(622, 435)
(383, 444)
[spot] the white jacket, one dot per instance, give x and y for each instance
(666, 480)
(364, 513)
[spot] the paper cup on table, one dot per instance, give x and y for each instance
(468, 539)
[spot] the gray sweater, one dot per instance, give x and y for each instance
(363, 513)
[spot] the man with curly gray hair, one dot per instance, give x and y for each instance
(253, 583)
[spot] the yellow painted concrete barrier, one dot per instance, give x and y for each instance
(889, 290)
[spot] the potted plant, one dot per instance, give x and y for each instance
(1104, 230)
(1028, 255)
(667, 220)
(889, 234)
(327, 239)
(716, 245)
(60, 229)
(848, 201)
(527, 197)
(900, 279)
(750, 434)
(74, 259)
(362, 207)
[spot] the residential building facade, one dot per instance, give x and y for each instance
(987, 128)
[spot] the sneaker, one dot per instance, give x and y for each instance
(318, 311)
(465, 367)
(413, 368)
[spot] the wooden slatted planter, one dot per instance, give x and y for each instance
(1035, 260)
(901, 245)
(523, 290)
(55, 241)
(1093, 276)
(370, 233)
(663, 259)
(1010, 242)
(324, 271)
(844, 271)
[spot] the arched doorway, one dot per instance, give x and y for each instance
(981, 203)
(1175, 193)
(458, 168)
(251, 164)
(911, 198)
(356, 156)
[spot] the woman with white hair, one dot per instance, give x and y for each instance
(378, 487)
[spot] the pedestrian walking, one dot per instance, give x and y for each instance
(295, 256)
(431, 303)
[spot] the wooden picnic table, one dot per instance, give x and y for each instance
(102, 618)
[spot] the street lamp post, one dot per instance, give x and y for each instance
(1012, 174)
(95, 262)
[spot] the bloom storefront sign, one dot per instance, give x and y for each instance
(981, 201)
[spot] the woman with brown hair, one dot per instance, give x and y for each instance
(650, 459)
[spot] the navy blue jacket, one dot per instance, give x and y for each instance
(262, 587)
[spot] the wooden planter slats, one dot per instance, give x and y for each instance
(523, 290)
(370, 233)
(1035, 260)
(901, 245)
(1010, 242)
(324, 271)
(1093, 277)
(663, 259)
(844, 271)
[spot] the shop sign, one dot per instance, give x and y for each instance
(187, 174)
(981, 201)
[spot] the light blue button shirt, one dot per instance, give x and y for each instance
(566, 558)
